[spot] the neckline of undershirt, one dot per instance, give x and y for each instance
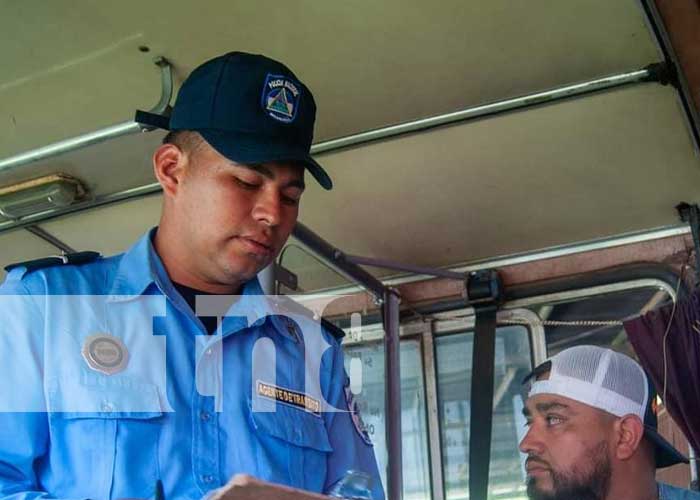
(189, 295)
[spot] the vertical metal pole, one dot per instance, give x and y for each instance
(392, 368)
(431, 396)
(693, 458)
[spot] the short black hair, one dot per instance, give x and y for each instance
(188, 141)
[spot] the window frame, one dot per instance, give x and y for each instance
(566, 288)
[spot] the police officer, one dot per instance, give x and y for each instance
(167, 363)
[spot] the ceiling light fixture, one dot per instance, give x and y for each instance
(39, 195)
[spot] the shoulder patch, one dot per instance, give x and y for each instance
(283, 304)
(334, 330)
(355, 416)
(56, 260)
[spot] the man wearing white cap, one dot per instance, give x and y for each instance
(592, 430)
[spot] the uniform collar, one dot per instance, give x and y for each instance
(141, 267)
(258, 308)
(138, 268)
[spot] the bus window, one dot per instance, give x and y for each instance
(416, 472)
(453, 353)
(594, 315)
(435, 383)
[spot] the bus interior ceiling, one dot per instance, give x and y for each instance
(558, 188)
(574, 170)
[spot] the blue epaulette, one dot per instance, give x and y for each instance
(58, 260)
(334, 330)
(292, 306)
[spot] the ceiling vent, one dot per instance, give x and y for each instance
(46, 193)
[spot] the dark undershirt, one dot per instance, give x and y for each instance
(190, 296)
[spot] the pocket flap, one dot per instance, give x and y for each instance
(71, 400)
(294, 426)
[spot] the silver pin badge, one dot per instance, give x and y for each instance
(105, 353)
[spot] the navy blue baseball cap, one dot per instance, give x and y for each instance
(250, 108)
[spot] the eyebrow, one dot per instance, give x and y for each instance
(266, 172)
(545, 407)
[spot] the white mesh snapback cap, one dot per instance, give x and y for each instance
(609, 381)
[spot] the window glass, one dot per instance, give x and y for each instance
(369, 392)
(454, 359)
(566, 320)
(312, 272)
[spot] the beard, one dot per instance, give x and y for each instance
(588, 481)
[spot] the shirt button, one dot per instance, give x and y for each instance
(204, 416)
(207, 478)
(208, 352)
(107, 407)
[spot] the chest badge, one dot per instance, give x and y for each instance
(105, 353)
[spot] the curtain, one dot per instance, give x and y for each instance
(682, 383)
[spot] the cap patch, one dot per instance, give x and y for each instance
(280, 98)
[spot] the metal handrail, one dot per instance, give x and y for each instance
(652, 73)
(98, 136)
(649, 74)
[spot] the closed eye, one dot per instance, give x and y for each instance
(246, 185)
(290, 201)
(292, 196)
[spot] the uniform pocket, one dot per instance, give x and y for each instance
(301, 437)
(102, 442)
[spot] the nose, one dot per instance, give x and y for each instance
(268, 207)
(531, 443)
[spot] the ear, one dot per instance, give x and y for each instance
(168, 167)
(629, 432)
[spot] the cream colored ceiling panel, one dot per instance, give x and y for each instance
(574, 171)
(109, 230)
(68, 69)
(588, 168)
(73, 67)
(20, 245)
(107, 167)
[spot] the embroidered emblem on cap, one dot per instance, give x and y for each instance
(355, 416)
(105, 353)
(291, 398)
(280, 98)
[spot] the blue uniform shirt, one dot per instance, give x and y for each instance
(264, 396)
(667, 492)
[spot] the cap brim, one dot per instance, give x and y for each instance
(664, 453)
(240, 148)
(152, 120)
(540, 369)
(318, 173)
(253, 148)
